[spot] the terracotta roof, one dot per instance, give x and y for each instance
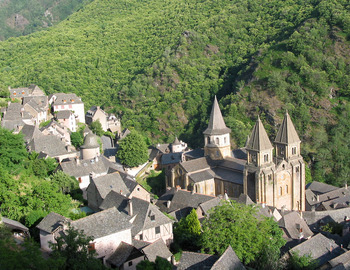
(286, 133)
(258, 139)
(216, 124)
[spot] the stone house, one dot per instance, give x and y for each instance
(108, 121)
(67, 119)
(71, 102)
(108, 229)
(20, 93)
(55, 129)
(15, 117)
(125, 257)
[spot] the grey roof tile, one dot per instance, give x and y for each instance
(13, 224)
(157, 249)
(216, 124)
(124, 253)
(63, 114)
(228, 261)
(171, 158)
(295, 226)
(196, 261)
(63, 98)
(319, 187)
(51, 222)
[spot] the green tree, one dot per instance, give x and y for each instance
(72, 250)
(237, 225)
(159, 264)
(187, 231)
(76, 139)
(64, 182)
(297, 262)
(132, 150)
(96, 128)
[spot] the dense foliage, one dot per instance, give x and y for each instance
(297, 262)
(255, 240)
(132, 150)
(159, 64)
(24, 17)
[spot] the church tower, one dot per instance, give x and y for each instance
(258, 172)
(287, 147)
(217, 136)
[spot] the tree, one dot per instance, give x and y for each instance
(159, 264)
(96, 128)
(187, 231)
(66, 183)
(72, 249)
(297, 262)
(237, 225)
(76, 139)
(132, 150)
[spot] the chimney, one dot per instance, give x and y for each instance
(91, 176)
(318, 198)
(130, 210)
(77, 160)
(168, 203)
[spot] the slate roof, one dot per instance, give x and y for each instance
(171, 158)
(157, 249)
(342, 259)
(202, 176)
(124, 253)
(313, 218)
(176, 141)
(196, 261)
(90, 141)
(114, 199)
(244, 199)
(228, 261)
(320, 188)
(338, 193)
(51, 222)
(41, 101)
(103, 223)
(48, 144)
(86, 166)
(29, 132)
(63, 114)
(124, 133)
(206, 206)
(195, 153)
(258, 139)
(163, 147)
(319, 247)
(118, 182)
(287, 134)
(196, 164)
(139, 244)
(240, 153)
(216, 125)
(37, 107)
(63, 98)
(13, 118)
(181, 199)
(295, 226)
(13, 224)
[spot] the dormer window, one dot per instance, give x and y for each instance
(64, 101)
(14, 93)
(23, 93)
(266, 158)
(72, 100)
(294, 151)
(153, 218)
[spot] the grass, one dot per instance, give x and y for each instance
(154, 182)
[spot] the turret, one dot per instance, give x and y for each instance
(90, 149)
(217, 136)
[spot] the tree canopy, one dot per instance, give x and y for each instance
(240, 226)
(132, 150)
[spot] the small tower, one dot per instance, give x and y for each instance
(287, 142)
(90, 149)
(217, 136)
(176, 146)
(259, 168)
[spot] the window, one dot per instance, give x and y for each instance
(253, 157)
(225, 140)
(297, 169)
(269, 177)
(153, 218)
(266, 158)
(294, 151)
(130, 263)
(79, 179)
(280, 192)
(70, 106)
(141, 237)
(208, 140)
(217, 140)
(281, 151)
(157, 230)
(286, 189)
(62, 106)
(217, 153)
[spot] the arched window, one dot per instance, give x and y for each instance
(280, 192)
(225, 140)
(217, 140)
(208, 140)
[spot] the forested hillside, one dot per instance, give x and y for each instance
(159, 63)
(19, 17)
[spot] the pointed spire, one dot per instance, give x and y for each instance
(216, 124)
(258, 138)
(286, 133)
(176, 141)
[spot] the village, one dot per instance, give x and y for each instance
(128, 224)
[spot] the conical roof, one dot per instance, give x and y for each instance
(216, 124)
(258, 139)
(176, 141)
(90, 141)
(286, 133)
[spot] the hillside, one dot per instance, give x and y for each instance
(159, 64)
(18, 17)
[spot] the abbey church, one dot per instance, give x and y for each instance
(274, 179)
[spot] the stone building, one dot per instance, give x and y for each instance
(278, 181)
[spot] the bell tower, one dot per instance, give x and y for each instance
(217, 143)
(287, 147)
(258, 172)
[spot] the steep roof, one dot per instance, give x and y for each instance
(63, 98)
(176, 141)
(90, 141)
(103, 223)
(228, 261)
(216, 124)
(124, 253)
(196, 261)
(51, 222)
(320, 248)
(63, 114)
(320, 188)
(286, 133)
(13, 224)
(295, 226)
(48, 144)
(258, 139)
(157, 249)
(29, 132)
